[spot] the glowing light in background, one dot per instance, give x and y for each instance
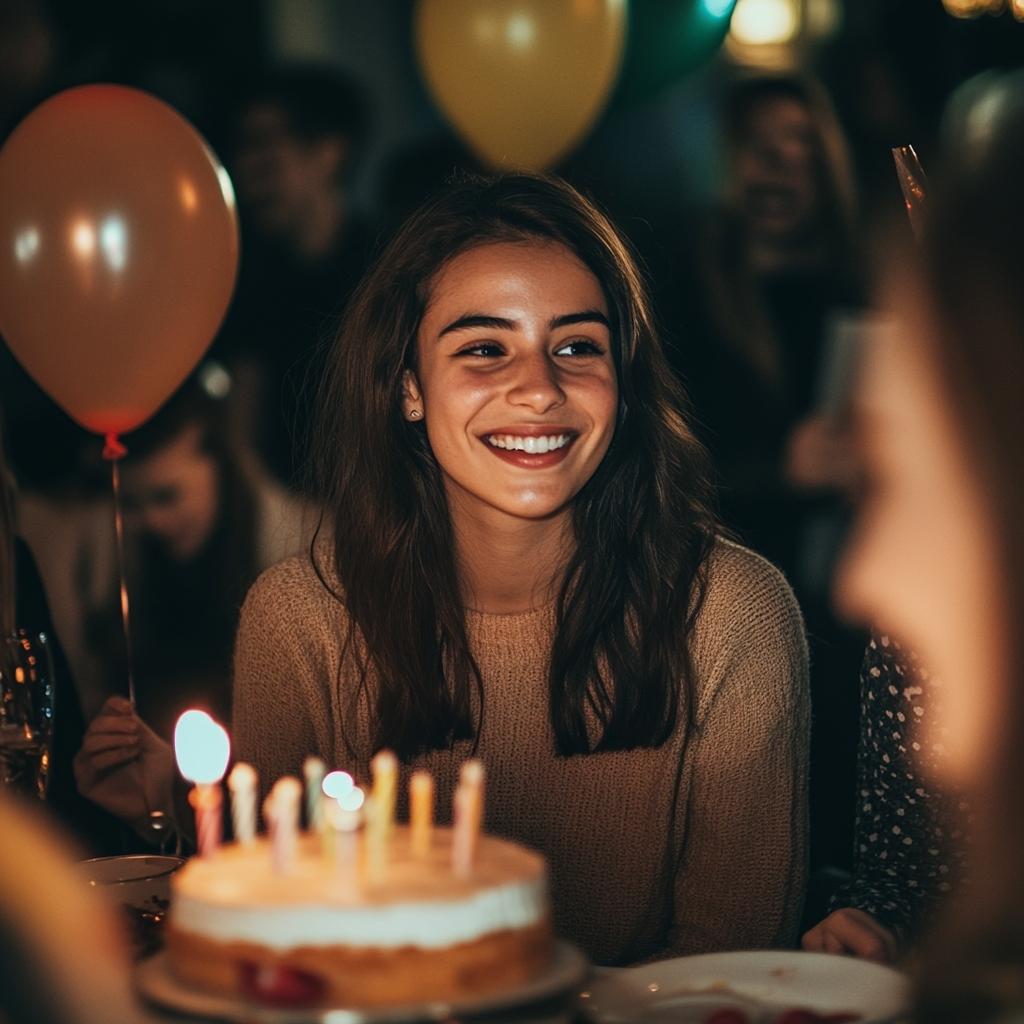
(26, 244)
(976, 8)
(114, 242)
(765, 22)
(83, 238)
(520, 31)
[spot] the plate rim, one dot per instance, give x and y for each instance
(156, 983)
(635, 978)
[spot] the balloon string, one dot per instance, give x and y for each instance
(115, 451)
(122, 573)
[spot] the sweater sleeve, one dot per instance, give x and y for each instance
(742, 872)
(279, 675)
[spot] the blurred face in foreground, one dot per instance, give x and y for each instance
(922, 563)
(515, 380)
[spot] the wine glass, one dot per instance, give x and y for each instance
(27, 705)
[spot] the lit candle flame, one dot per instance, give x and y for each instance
(202, 748)
(352, 799)
(337, 783)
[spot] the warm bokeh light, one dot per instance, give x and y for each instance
(765, 22)
(336, 784)
(83, 238)
(201, 747)
(976, 8)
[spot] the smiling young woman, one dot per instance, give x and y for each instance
(522, 560)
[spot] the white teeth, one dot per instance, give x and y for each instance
(530, 445)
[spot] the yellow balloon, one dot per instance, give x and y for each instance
(521, 80)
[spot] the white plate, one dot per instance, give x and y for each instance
(763, 984)
(157, 983)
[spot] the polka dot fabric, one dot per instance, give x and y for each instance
(910, 839)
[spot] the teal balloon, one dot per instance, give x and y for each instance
(666, 39)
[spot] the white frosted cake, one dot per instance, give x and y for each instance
(326, 933)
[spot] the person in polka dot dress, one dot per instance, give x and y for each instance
(911, 836)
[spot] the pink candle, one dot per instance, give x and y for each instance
(468, 817)
(282, 813)
(206, 802)
(202, 749)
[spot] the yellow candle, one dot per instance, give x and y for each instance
(380, 815)
(385, 788)
(421, 812)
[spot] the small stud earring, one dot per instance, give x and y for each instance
(414, 414)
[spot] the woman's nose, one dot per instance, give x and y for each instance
(536, 386)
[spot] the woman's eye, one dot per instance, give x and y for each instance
(580, 347)
(488, 349)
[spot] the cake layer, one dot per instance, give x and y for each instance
(414, 902)
(348, 976)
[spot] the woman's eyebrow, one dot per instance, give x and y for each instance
(498, 323)
(586, 316)
(494, 323)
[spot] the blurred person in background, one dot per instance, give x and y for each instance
(202, 521)
(752, 308)
(294, 138)
(938, 551)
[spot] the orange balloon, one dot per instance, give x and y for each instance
(118, 251)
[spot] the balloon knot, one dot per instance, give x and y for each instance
(113, 449)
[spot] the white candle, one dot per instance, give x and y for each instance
(282, 812)
(242, 785)
(345, 817)
(202, 749)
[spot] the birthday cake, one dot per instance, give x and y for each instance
(328, 932)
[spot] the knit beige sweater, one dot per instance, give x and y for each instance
(688, 848)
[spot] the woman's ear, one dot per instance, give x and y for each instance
(412, 398)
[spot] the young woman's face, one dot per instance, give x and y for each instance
(921, 563)
(515, 379)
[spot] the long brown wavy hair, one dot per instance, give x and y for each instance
(643, 523)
